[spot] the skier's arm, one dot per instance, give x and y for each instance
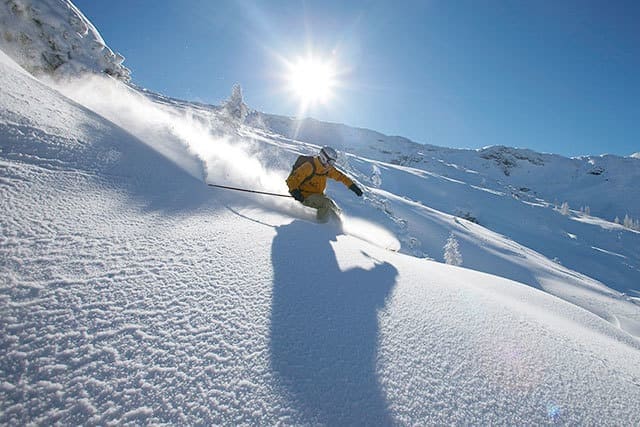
(299, 175)
(339, 176)
(335, 174)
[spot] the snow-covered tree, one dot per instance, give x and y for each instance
(376, 176)
(235, 106)
(633, 224)
(617, 220)
(587, 211)
(452, 251)
(564, 209)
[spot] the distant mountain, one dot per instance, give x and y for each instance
(606, 184)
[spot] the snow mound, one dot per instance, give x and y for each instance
(53, 37)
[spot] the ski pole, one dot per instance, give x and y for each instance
(248, 191)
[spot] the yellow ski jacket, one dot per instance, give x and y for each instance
(311, 177)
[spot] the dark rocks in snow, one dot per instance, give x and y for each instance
(598, 170)
(407, 159)
(507, 158)
(468, 216)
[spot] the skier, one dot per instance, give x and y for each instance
(308, 180)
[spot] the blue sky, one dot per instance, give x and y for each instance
(554, 76)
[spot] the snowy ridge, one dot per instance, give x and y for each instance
(53, 37)
(593, 181)
(133, 293)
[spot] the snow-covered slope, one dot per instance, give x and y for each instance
(604, 183)
(400, 197)
(54, 37)
(132, 293)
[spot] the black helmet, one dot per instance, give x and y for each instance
(328, 156)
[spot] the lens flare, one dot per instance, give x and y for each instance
(312, 80)
(553, 412)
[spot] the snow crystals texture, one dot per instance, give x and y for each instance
(53, 37)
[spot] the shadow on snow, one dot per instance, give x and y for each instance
(324, 328)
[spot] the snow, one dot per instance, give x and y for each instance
(132, 292)
(54, 37)
(594, 181)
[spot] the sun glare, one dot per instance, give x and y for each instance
(312, 81)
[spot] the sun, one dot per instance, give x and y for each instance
(312, 80)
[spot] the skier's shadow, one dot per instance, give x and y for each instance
(324, 328)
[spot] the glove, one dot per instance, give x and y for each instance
(356, 190)
(297, 194)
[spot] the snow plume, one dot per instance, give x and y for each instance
(370, 232)
(194, 139)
